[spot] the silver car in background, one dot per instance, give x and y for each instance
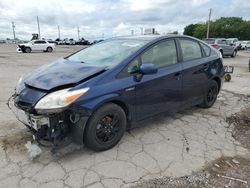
(223, 45)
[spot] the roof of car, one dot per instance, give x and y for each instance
(148, 37)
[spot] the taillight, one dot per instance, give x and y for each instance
(214, 45)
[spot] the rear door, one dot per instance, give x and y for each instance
(194, 68)
(160, 92)
(38, 45)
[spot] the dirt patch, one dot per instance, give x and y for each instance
(15, 141)
(241, 131)
(223, 172)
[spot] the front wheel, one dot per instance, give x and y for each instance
(105, 127)
(27, 50)
(49, 49)
(210, 95)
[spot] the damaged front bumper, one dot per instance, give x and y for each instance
(53, 128)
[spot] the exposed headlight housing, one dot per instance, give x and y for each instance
(20, 85)
(58, 100)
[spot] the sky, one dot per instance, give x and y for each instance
(98, 19)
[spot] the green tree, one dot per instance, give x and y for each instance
(226, 27)
(189, 29)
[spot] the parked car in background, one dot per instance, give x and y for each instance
(232, 40)
(52, 42)
(95, 94)
(245, 45)
(72, 42)
(238, 45)
(36, 45)
(221, 44)
(83, 42)
(97, 41)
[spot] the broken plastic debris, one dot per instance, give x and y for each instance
(235, 161)
(217, 165)
(34, 150)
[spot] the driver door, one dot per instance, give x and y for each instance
(160, 92)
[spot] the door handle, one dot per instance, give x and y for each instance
(177, 76)
(130, 89)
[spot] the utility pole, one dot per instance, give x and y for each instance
(39, 34)
(141, 30)
(59, 35)
(13, 27)
(78, 32)
(208, 23)
(132, 32)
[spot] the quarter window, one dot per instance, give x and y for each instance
(190, 50)
(206, 49)
(161, 54)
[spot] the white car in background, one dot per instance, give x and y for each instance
(36, 45)
(245, 45)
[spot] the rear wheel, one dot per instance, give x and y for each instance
(105, 128)
(210, 95)
(27, 49)
(49, 49)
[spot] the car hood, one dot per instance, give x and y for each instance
(22, 44)
(60, 73)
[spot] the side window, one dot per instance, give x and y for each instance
(161, 54)
(190, 49)
(206, 49)
(37, 42)
(42, 42)
(131, 67)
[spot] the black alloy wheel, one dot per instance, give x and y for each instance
(211, 95)
(105, 127)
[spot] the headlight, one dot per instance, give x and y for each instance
(59, 99)
(20, 85)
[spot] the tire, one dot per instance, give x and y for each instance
(234, 53)
(105, 127)
(49, 49)
(227, 77)
(27, 49)
(249, 65)
(210, 95)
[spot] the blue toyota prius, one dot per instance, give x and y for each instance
(94, 95)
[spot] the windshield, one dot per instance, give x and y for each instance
(107, 53)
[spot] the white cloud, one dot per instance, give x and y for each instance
(97, 18)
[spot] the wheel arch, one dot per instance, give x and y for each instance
(118, 102)
(218, 81)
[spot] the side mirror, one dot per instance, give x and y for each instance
(148, 68)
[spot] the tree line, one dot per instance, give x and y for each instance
(225, 27)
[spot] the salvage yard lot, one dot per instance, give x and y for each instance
(175, 146)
